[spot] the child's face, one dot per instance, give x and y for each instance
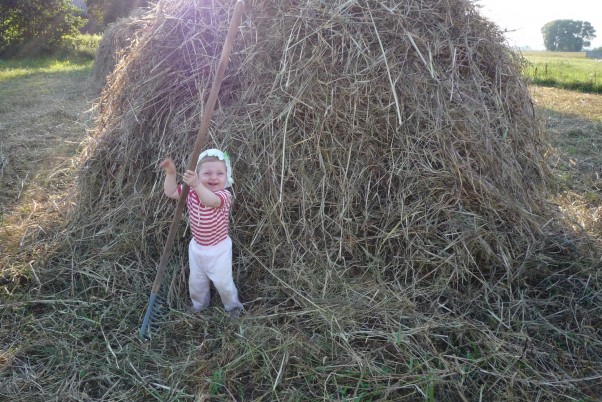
(213, 175)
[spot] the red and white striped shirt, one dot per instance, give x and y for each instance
(209, 226)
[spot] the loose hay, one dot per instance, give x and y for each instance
(391, 231)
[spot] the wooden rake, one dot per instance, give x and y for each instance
(151, 310)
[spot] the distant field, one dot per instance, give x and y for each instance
(567, 70)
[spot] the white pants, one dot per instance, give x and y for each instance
(212, 264)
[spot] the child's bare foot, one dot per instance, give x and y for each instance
(234, 313)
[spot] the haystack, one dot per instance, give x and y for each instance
(364, 137)
(115, 40)
(389, 174)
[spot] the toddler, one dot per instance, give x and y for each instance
(210, 250)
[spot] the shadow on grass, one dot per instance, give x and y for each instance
(586, 87)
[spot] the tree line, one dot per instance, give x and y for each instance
(38, 27)
(567, 35)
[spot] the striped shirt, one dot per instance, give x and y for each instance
(209, 226)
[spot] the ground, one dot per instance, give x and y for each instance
(574, 128)
(44, 118)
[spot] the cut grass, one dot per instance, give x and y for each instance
(42, 122)
(574, 126)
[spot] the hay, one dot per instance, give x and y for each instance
(442, 175)
(115, 40)
(389, 200)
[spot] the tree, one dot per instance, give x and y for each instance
(104, 12)
(567, 35)
(33, 27)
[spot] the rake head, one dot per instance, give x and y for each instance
(156, 312)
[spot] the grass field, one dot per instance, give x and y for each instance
(43, 120)
(80, 343)
(568, 70)
(32, 67)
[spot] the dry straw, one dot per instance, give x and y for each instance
(391, 231)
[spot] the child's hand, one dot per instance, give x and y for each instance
(191, 178)
(168, 166)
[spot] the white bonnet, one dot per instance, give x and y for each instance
(222, 156)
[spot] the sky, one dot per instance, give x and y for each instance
(524, 18)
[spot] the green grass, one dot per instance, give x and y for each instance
(14, 68)
(567, 70)
(76, 54)
(80, 47)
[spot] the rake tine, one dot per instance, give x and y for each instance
(155, 311)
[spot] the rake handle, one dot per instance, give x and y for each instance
(198, 145)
